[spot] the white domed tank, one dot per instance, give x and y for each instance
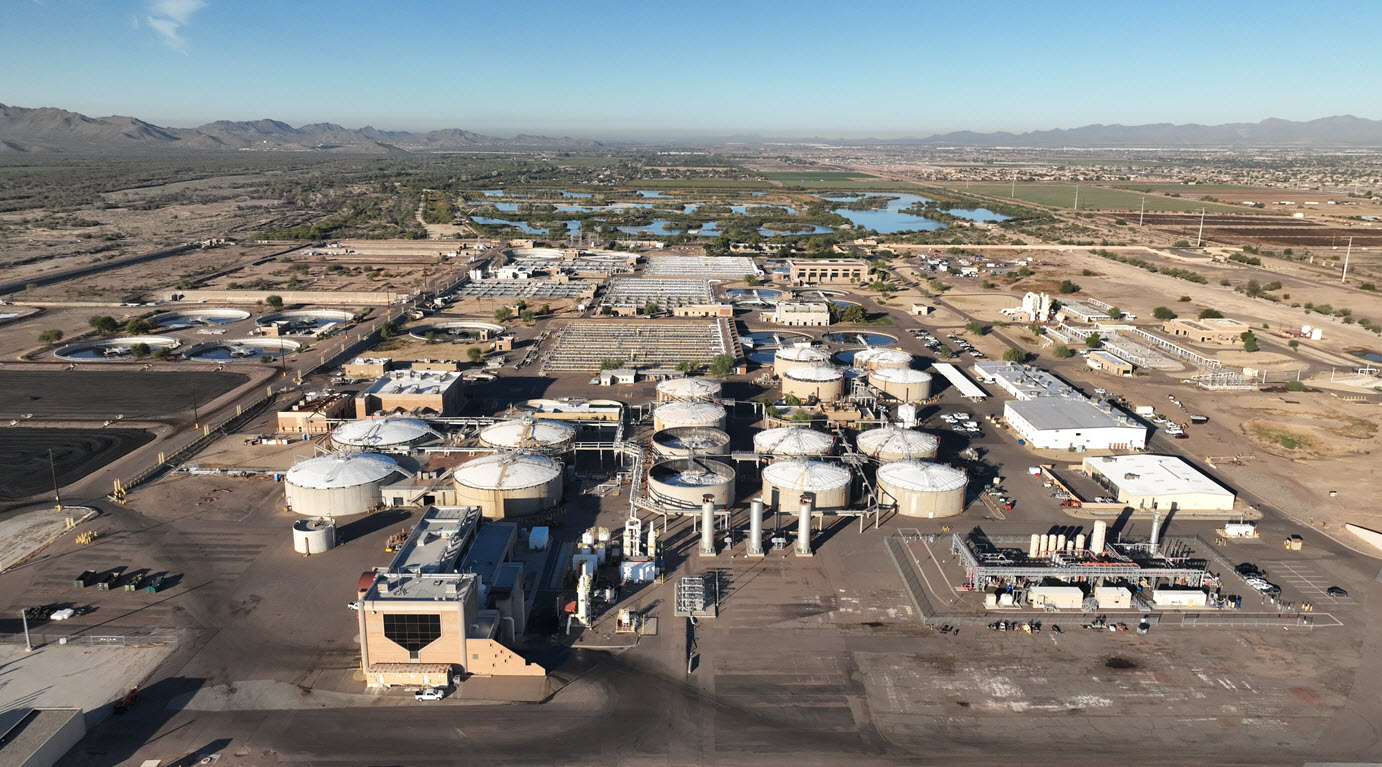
(338, 485)
(686, 440)
(507, 485)
(882, 359)
(684, 482)
(792, 441)
(313, 536)
(903, 384)
(674, 389)
(387, 433)
(673, 414)
(789, 357)
(822, 382)
(921, 489)
(528, 434)
(891, 443)
(785, 481)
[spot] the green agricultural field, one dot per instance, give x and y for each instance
(700, 183)
(1186, 190)
(1091, 197)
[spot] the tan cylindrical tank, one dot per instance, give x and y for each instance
(822, 382)
(684, 482)
(508, 485)
(798, 356)
(785, 480)
(339, 484)
(792, 440)
(688, 413)
(882, 359)
(891, 443)
(922, 489)
(903, 384)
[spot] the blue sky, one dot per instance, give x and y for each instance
(612, 69)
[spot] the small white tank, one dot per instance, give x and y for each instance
(313, 536)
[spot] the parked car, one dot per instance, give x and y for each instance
(1248, 568)
(429, 693)
(1335, 591)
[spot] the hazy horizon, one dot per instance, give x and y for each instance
(616, 70)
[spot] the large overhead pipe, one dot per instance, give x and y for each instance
(804, 525)
(707, 525)
(756, 528)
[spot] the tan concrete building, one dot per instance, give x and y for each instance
(314, 415)
(1210, 331)
(411, 391)
(809, 271)
(800, 315)
(703, 310)
(1109, 363)
(367, 367)
(422, 620)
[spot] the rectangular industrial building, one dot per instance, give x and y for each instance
(1109, 363)
(810, 314)
(809, 271)
(1158, 482)
(411, 391)
(714, 267)
(1208, 331)
(314, 414)
(1057, 423)
(427, 616)
(666, 292)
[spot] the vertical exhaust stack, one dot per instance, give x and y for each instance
(1096, 543)
(708, 526)
(808, 504)
(1156, 533)
(756, 528)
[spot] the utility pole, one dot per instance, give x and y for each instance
(1077, 198)
(1344, 277)
(53, 467)
(24, 618)
(1143, 211)
(1199, 237)
(1014, 191)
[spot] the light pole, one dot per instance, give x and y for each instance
(24, 618)
(1143, 211)
(1344, 277)
(53, 467)
(1199, 237)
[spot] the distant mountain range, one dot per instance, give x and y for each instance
(48, 129)
(1341, 130)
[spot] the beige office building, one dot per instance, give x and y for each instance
(809, 271)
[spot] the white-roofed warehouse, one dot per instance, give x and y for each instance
(1158, 482)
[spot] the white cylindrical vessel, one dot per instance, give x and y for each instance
(820, 382)
(922, 489)
(1034, 547)
(902, 384)
(1096, 543)
(508, 485)
(789, 357)
(673, 414)
(385, 433)
(891, 443)
(784, 482)
(792, 441)
(339, 484)
(676, 389)
(313, 536)
(532, 435)
(881, 359)
(755, 547)
(683, 482)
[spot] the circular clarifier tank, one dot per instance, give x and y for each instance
(242, 349)
(115, 349)
(180, 319)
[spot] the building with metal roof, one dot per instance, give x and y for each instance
(1158, 482)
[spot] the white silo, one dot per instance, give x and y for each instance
(891, 443)
(922, 489)
(784, 481)
(903, 384)
(673, 414)
(528, 434)
(881, 359)
(792, 441)
(385, 433)
(789, 357)
(822, 382)
(338, 485)
(313, 536)
(507, 485)
(694, 388)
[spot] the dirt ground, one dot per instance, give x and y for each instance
(119, 285)
(334, 273)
